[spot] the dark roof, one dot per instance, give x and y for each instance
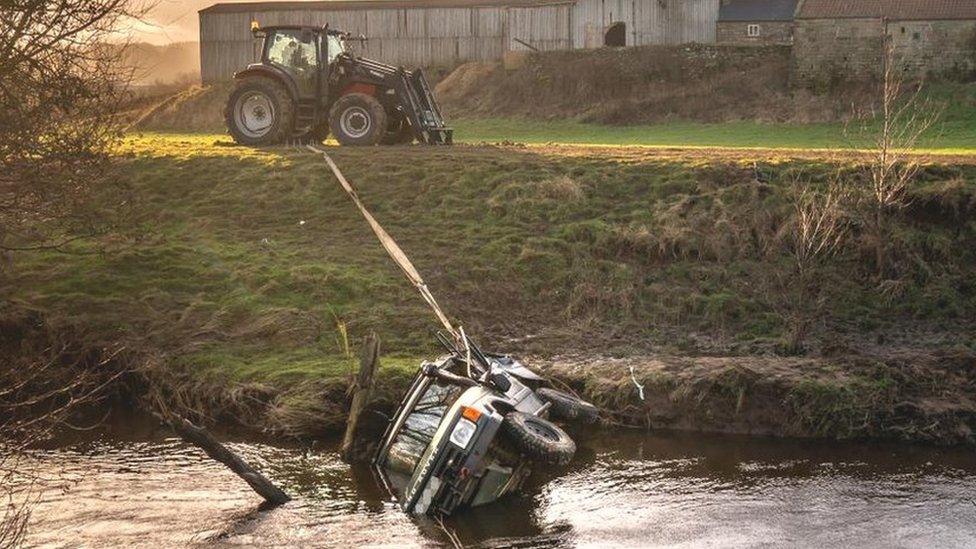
(900, 10)
(757, 10)
(329, 5)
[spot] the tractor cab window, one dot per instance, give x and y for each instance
(336, 46)
(294, 51)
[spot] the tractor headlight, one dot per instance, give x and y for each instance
(463, 432)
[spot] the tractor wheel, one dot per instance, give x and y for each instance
(357, 119)
(538, 439)
(400, 133)
(259, 112)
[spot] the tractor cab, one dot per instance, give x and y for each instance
(307, 85)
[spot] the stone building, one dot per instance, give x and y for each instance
(842, 39)
(756, 22)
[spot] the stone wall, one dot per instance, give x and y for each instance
(779, 33)
(935, 48)
(829, 50)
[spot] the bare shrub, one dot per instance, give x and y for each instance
(44, 379)
(905, 117)
(810, 238)
(59, 84)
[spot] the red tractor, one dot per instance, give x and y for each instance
(308, 86)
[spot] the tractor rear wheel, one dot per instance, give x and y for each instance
(259, 112)
(358, 119)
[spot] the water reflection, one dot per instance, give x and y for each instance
(625, 490)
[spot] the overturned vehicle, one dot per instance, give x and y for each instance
(469, 432)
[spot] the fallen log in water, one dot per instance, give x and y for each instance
(200, 438)
(362, 391)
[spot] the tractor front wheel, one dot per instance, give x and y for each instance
(259, 112)
(358, 119)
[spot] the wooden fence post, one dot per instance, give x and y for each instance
(362, 390)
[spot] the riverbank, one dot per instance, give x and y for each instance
(242, 280)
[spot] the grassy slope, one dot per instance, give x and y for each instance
(240, 264)
(955, 133)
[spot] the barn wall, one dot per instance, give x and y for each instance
(648, 22)
(446, 36)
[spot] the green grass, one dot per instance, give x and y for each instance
(957, 137)
(241, 265)
(954, 133)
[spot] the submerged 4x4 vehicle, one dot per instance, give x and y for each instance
(466, 438)
(309, 85)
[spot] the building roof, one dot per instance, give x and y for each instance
(900, 10)
(331, 5)
(756, 10)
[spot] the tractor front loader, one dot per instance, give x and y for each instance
(308, 85)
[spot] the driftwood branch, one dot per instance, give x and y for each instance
(205, 441)
(362, 391)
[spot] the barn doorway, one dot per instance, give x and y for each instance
(616, 35)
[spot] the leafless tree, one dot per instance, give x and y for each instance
(59, 82)
(905, 117)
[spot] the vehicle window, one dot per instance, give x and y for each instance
(336, 46)
(419, 428)
(289, 51)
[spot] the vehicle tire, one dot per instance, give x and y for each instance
(358, 119)
(538, 439)
(259, 112)
(399, 133)
(566, 406)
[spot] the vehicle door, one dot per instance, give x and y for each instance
(295, 51)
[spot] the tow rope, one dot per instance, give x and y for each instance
(392, 248)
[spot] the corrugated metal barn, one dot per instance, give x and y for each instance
(447, 32)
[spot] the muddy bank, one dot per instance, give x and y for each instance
(909, 396)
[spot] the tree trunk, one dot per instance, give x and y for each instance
(203, 440)
(362, 390)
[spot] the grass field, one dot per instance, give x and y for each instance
(957, 136)
(240, 265)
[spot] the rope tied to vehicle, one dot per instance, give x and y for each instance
(390, 245)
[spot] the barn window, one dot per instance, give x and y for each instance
(752, 31)
(616, 36)
(916, 36)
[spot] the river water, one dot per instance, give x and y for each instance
(625, 489)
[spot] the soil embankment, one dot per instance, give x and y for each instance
(241, 281)
(644, 85)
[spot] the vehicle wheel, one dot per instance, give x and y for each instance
(259, 112)
(568, 407)
(357, 119)
(538, 438)
(400, 133)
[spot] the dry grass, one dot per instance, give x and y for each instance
(643, 85)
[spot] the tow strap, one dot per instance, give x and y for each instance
(392, 247)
